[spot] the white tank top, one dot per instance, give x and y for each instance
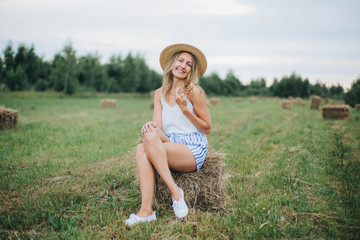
(173, 119)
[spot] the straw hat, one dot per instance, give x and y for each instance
(169, 51)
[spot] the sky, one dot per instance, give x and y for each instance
(315, 39)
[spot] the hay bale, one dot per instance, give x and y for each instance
(286, 104)
(315, 102)
(327, 100)
(239, 99)
(8, 118)
(108, 102)
(299, 102)
(338, 111)
(214, 101)
(252, 99)
(203, 189)
(152, 93)
(357, 106)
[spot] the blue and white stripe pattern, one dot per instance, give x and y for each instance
(196, 141)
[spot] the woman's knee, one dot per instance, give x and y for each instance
(140, 152)
(151, 137)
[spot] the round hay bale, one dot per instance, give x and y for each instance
(252, 99)
(315, 102)
(239, 99)
(286, 104)
(108, 103)
(336, 112)
(299, 102)
(357, 106)
(152, 93)
(214, 101)
(203, 189)
(8, 118)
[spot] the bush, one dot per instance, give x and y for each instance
(352, 97)
(41, 85)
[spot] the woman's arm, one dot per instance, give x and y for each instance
(156, 124)
(201, 119)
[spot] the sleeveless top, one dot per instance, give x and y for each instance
(173, 119)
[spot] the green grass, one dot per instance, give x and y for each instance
(66, 172)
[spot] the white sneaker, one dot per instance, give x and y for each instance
(180, 207)
(134, 219)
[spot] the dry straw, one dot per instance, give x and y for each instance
(315, 102)
(152, 93)
(252, 99)
(238, 99)
(339, 111)
(299, 102)
(286, 104)
(8, 118)
(214, 101)
(108, 102)
(357, 106)
(203, 189)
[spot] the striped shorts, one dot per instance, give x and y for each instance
(196, 141)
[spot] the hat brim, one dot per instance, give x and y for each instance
(169, 51)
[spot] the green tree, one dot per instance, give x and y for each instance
(29, 62)
(336, 91)
(115, 73)
(155, 80)
(1, 72)
(212, 84)
(352, 97)
(16, 79)
(144, 75)
(131, 78)
(63, 75)
(91, 74)
(232, 85)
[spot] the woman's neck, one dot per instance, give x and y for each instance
(178, 83)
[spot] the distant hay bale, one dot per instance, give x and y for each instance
(299, 102)
(327, 100)
(214, 101)
(252, 99)
(203, 189)
(108, 103)
(286, 104)
(239, 99)
(315, 102)
(152, 93)
(290, 98)
(8, 118)
(357, 106)
(339, 111)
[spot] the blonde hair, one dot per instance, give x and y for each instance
(191, 80)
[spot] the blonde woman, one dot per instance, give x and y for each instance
(176, 137)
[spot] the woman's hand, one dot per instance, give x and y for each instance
(180, 98)
(149, 126)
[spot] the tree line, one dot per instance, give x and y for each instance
(23, 70)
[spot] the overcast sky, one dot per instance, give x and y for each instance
(316, 39)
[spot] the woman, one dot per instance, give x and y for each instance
(176, 138)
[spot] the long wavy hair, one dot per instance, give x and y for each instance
(168, 80)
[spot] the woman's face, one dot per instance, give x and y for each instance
(182, 65)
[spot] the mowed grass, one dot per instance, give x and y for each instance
(67, 171)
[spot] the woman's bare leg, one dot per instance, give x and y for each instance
(146, 178)
(156, 154)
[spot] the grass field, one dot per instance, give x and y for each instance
(65, 172)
